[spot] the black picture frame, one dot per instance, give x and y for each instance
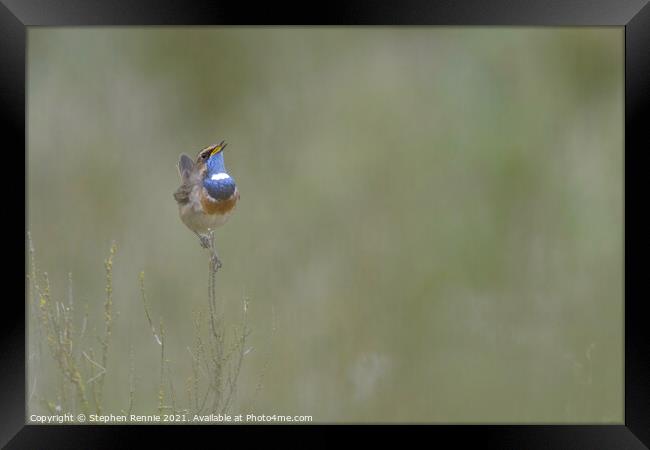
(633, 15)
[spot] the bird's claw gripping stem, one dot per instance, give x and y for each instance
(216, 262)
(205, 241)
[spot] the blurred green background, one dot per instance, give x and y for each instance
(430, 226)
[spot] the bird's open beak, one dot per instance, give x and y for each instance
(218, 148)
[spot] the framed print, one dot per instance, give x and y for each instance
(424, 214)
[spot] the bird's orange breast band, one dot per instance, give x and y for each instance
(218, 206)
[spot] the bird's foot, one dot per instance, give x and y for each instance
(216, 262)
(206, 242)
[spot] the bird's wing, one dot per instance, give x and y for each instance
(182, 194)
(185, 166)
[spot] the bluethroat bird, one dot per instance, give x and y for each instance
(207, 195)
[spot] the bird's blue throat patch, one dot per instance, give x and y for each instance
(217, 182)
(220, 189)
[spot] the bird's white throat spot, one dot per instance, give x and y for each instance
(219, 176)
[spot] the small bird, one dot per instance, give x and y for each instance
(207, 195)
